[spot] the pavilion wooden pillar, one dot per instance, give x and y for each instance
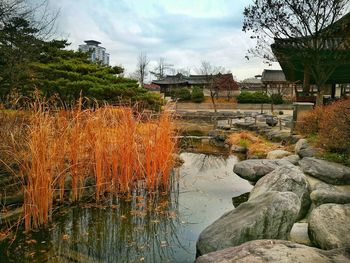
(333, 91)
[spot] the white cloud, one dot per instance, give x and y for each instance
(185, 32)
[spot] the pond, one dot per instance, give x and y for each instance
(138, 229)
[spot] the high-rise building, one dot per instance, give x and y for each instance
(97, 53)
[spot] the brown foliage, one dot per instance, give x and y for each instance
(309, 121)
(331, 123)
(334, 131)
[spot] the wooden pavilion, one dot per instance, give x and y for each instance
(332, 50)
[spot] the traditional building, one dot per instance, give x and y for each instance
(274, 82)
(252, 84)
(224, 84)
(98, 53)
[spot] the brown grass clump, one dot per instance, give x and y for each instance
(117, 149)
(256, 146)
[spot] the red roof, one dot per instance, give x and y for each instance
(151, 86)
(225, 82)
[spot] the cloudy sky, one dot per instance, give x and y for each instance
(184, 32)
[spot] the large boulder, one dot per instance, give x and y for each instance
(252, 170)
(272, 215)
(283, 179)
(277, 154)
(303, 149)
(332, 173)
(294, 159)
(275, 251)
(329, 226)
(326, 193)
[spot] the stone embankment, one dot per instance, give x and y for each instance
(296, 197)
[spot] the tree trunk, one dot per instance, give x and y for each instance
(306, 84)
(213, 101)
(319, 98)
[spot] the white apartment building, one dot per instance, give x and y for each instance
(97, 53)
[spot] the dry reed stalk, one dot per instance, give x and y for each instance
(115, 146)
(37, 172)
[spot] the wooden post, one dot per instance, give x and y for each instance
(333, 91)
(280, 123)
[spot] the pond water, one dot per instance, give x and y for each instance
(138, 229)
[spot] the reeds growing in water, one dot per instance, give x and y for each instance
(113, 149)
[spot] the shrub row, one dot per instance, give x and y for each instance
(185, 94)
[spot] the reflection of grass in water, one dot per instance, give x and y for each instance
(143, 227)
(208, 161)
(133, 231)
(201, 146)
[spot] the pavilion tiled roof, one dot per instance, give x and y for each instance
(221, 81)
(269, 75)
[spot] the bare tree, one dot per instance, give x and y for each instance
(209, 72)
(142, 64)
(305, 30)
(160, 70)
(39, 15)
(184, 71)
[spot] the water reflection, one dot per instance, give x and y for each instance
(144, 228)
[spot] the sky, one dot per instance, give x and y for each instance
(183, 32)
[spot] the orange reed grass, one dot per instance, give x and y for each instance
(115, 148)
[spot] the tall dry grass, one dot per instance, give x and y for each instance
(115, 149)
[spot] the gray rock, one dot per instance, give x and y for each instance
(277, 154)
(299, 234)
(238, 149)
(272, 215)
(253, 170)
(325, 193)
(329, 226)
(275, 251)
(287, 178)
(332, 173)
(303, 149)
(212, 133)
(294, 159)
(271, 121)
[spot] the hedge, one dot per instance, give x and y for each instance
(197, 95)
(256, 97)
